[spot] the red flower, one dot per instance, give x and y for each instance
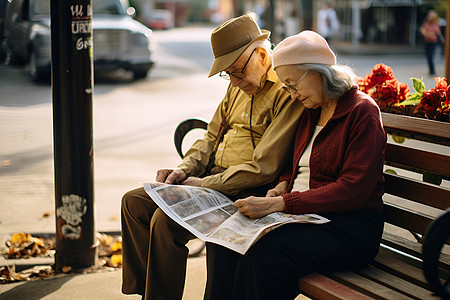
(443, 89)
(386, 93)
(431, 101)
(435, 101)
(392, 95)
(441, 82)
(403, 92)
(382, 86)
(381, 73)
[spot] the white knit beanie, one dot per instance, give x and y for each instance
(304, 48)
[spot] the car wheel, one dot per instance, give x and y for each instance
(12, 58)
(3, 50)
(140, 74)
(37, 74)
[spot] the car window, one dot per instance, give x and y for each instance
(109, 7)
(41, 7)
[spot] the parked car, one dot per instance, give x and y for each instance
(160, 19)
(119, 41)
(3, 4)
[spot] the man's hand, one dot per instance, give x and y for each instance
(279, 190)
(194, 181)
(256, 207)
(170, 176)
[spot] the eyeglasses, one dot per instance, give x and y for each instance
(293, 87)
(240, 75)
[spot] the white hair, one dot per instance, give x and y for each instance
(336, 79)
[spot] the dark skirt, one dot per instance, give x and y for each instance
(271, 268)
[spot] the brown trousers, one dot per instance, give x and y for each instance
(153, 248)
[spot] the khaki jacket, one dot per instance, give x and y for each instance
(274, 121)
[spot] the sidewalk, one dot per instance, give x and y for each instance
(99, 285)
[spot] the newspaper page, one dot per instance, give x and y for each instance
(212, 217)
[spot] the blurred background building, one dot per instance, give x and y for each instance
(361, 21)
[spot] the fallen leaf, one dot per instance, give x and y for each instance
(66, 269)
(114, 218)
(116, 246)
(46, 215)
(105, 239)
(116, 260)
(18, 238)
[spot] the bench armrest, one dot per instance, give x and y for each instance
(435, 239)
(183, 128)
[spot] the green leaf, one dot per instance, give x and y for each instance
(398, 139)
(413, 99)
(418, 85)
(390, 171)
(432, 178)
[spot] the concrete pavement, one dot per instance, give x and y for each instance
(102, 284)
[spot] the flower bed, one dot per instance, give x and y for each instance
(394, 96)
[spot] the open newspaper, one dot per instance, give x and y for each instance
(212, 217)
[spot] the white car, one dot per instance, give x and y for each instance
(120, 42)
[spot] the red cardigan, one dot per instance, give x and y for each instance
(347, 157)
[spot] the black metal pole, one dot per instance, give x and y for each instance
(72, 88)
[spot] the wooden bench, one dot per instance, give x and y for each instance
(414, 257)
(411, 206)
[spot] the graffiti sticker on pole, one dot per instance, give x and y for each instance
(81, 26)
(69, 217)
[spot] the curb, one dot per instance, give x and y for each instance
(376, 49)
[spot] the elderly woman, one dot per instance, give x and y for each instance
(336, 171)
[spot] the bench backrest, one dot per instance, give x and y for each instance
(411, 203)
(408, 199)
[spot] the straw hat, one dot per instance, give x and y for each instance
(307, 47)
(231, 39)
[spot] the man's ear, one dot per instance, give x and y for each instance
(262, 52)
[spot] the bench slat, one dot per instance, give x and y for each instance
(414, 249)
(390, 262)
(319, 286)
(367, 286)
(403, 245)
(405, 157)
(419, 191)
(393, 264)
(417, 128)
(396, 283)
(406, 218)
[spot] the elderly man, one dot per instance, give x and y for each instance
(246, 142)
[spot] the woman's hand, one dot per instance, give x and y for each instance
(256, 207)
(279, 190)
(194, 181)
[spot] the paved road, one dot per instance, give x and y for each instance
(133, 126)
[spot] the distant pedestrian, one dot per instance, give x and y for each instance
(443, 25)
(431, 32)
(327, 22)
